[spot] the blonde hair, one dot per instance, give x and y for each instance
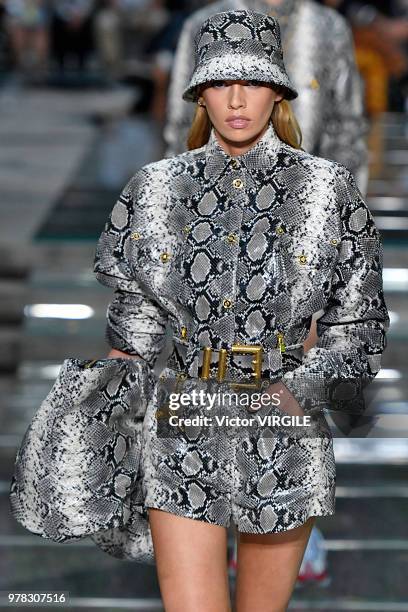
(282, 117)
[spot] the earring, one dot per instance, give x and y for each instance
(200, 103)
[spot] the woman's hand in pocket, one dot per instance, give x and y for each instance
(116, 353)
(287, 402)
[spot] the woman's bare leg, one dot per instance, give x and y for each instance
(267, 568)
(191, 562)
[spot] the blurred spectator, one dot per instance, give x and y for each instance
(381, 33)
(123, 29)
(107, 36)
(4, 46)
(138, 39)
(27, 23)
(72, 31)
(162, 48)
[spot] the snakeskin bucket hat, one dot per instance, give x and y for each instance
(239, 44)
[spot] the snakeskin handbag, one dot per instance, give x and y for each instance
(77, 471)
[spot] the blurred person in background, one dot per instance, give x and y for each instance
(27, 24)
(71, 31)
(318, 45)
(381, 33)
(162, 49)
(137, 39)
(319, 51)
(115, 21)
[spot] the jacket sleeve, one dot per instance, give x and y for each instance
(352, 329)
(179, 113)
(136, 323)
(345, 127)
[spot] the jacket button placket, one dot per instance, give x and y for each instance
(237, 179)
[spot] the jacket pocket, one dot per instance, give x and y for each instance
(153, 250)
(308, 264)
(308, 255)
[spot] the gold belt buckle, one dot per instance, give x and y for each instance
(252, 349)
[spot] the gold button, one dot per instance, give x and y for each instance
(280, 230)
(237, 183)
(314, 84)
(184, 332)
(165, 256)
(227, 303)
(302, 259)
(186, 229)
(135, 236)
(234, 163)
(232, 238)
(334, 241)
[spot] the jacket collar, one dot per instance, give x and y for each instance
(260, 156)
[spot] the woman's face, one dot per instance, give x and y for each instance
(251, 100)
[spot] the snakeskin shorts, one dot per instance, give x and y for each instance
(266, 480)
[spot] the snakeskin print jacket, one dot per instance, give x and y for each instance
(319, 57)
(244, 250)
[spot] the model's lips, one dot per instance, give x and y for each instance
(238, 122)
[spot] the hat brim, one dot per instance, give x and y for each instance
(242, 67)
